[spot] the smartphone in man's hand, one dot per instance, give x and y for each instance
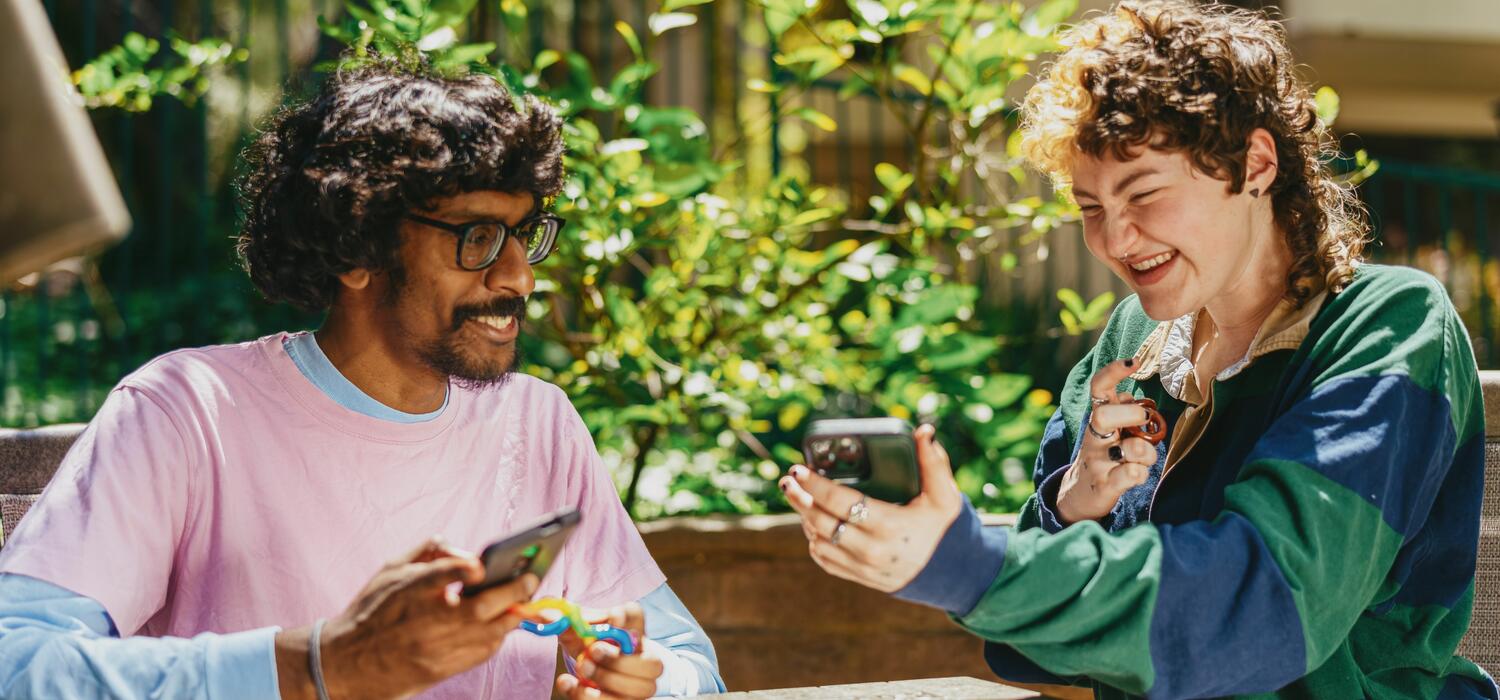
(875, 456)
(532, 549)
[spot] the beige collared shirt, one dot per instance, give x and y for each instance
(1168, 352)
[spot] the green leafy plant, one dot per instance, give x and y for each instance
(131, 75)
(698, 324)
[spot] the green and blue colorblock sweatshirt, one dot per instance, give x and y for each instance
(1309, 530)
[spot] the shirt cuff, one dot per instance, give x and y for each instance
(242, 664)
(1046, 501)
(961, 570)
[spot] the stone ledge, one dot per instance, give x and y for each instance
(1489, 383)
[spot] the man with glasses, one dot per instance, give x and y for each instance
(209, 530)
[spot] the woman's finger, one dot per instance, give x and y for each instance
(1126, 476)
(836, 561)
(1104, 382)
(1137, 450)
(1113, 416)
(829, 496)
(938, 485)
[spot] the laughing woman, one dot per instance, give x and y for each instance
(1308, 527)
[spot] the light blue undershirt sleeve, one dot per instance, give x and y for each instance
(57, 644)
(692, 667)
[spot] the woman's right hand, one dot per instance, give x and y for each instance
(1107, 465)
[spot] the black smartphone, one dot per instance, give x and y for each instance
(531, 549)
(875, 456)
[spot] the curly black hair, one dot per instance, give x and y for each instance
(329, 180)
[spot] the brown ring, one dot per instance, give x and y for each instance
(1154, 430)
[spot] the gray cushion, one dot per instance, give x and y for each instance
(27, 460)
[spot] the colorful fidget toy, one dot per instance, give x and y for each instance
(572, 617)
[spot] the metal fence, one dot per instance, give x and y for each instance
(68, 336)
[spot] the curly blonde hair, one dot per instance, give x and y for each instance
(1198, 79)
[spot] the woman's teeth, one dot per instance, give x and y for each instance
(498, 322)
(1145, 265)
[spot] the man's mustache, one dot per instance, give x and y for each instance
(507, 306)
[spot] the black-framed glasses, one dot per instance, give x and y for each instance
(480, 242)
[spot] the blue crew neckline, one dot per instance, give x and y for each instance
(317, 368)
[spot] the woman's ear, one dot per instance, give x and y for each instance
(1260, 163)
(358, 278)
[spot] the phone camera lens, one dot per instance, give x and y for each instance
(822, 454)
(848, 449)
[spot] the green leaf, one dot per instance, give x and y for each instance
(782, 14)
(1327, 105)
(888, 175)
(961, 351)
(816, 118)
(643, 414)
(1098, 309)
(545, 59)
(913, 77)
(1071, 301)
(661, 23)
(673, 5)
(936, 305)
(871, 11)
(1044, 18)
(812, 216)
(631, 39)
(1001, 390)
(787, 453)
(467, 54)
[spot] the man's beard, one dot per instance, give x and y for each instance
(445, 353)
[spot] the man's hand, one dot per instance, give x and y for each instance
(407, 630)
(615, 674)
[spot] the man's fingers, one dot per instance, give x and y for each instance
(430, 549)
(630, 617)
(494, 602)
(1103, 383)
(632, 675)
(439, 573)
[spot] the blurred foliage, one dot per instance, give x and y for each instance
(698, 326)
(129, 76)
(700, 311)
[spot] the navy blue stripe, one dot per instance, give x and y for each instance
(965, 565)
(1056, 450)
(1225, 622)
(1464, 688)
(1383, 437)
(1437, 566)
(1010, 665)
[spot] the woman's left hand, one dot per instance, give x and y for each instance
(880, 545)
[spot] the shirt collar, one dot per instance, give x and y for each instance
(1168, 350)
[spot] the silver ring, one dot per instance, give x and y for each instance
(1097, 434)
(859, 511)
(1097, 402)
(838, 532)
